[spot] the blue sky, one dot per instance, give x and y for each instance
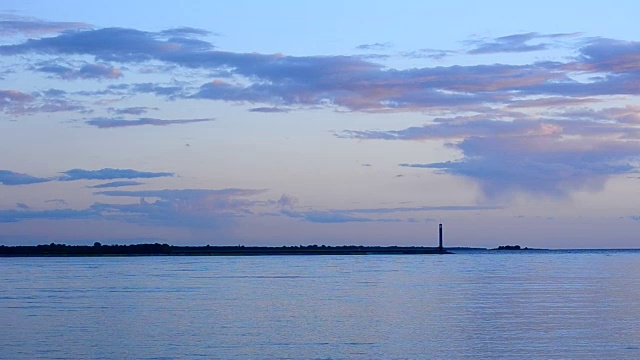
(278, 123)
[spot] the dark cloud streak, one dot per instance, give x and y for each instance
(107, 123)
(374, 46)
(115, 184)
(11, 178)
(109, 174)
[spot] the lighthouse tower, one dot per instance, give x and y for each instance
(440, 237)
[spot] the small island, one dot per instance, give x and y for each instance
(170, 250)
(510, 247)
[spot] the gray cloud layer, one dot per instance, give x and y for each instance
(544, 156)
(502, 149)
(347, 81)
(189, 208)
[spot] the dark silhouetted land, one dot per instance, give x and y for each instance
(169, 250)
(511, 247)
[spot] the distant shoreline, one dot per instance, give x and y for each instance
(62, 250)
(98, 250)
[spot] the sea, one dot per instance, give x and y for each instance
(580, 304)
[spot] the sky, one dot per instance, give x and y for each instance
(294, 123)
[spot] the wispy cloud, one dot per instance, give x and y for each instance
(114, 184)
(182, 208)
(609, 56)
(444, 129)
(135, 110)
(355, 215)
(286, 201)
(169, 91)
(11, 25)
(433, 54)
(330, 217)
(269, 110)
(19, 103)
(14, 99)
(109, 174)
(114, 44)
(87, 71)
(13, 178)
(57, 202)
(186, 31)
(8, 177)
(106, 123)
(61, 214)
(182, 194)
(628, 114)
(551, 102)
(515, 43)
(375, 46)
(185, 208)
(421, 209)
(201, 208)
(52, 106)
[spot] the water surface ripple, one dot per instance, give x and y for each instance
(564, 305)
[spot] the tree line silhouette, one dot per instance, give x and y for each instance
(99, 249)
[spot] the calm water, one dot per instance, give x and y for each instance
(580, 305)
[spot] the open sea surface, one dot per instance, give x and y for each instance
(470, 305)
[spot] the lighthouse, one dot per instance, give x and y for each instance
(440, 239)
